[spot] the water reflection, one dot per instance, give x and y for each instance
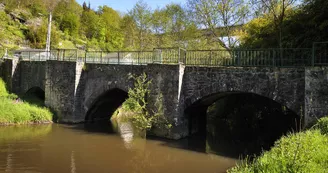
(73, 167)
(9, 162)
(126, 132)
(73, 149)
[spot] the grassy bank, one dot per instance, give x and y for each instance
(13, 111)
(298, 152)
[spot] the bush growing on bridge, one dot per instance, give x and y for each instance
(13, 111)
(300, 152)
(135, 107)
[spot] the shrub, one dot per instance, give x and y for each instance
(135, 107)
(301, 152)
(322, 125)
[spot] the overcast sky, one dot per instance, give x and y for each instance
(126, 5)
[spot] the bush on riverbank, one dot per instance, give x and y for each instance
(322, 125)
(300, 152)
(13, 111)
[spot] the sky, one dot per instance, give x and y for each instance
(126, 5)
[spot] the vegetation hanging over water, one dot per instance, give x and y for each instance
(300, 152)
(14, 111)
(135, 107)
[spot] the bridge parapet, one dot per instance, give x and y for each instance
(275, 57)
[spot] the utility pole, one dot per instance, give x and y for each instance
(48, 35)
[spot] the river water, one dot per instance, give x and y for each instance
(63, 148)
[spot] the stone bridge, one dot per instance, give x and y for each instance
(75, 90)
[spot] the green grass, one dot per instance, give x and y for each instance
(298, 152)
(16, 112)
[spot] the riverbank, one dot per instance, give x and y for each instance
(305, 151)
(13, 111)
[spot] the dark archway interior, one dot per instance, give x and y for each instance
(103, 108)
(239, 124)
(35, 95)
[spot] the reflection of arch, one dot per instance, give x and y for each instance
(103, 106)
(35, 92)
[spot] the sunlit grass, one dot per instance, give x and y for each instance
(298, 152)
(17, 112)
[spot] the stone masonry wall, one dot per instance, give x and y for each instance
(284, 85)
(71, 88)
(96, 79)
(316, 93)
(29, 74)
(60, 89)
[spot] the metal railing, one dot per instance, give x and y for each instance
(249, 57)
(120, 57)
(290, 57)
(320, 53)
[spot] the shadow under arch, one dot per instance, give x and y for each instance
(238, 123)
(35, 95)
(105, 105)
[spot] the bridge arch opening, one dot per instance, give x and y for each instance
(239, 123)
(105, 105)
(35, 95)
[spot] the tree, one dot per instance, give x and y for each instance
(129, 30)
(141, 14)
(277, 9)
(222, 14)
(84, 6)
(113, 34)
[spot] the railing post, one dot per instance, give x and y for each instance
(85, 56)
(118, 57)
(273, 58)
(138, 57)
(179, 56)
(238, 57)
(64, 54)
(185, 57)
(313, 54)
(210, 57)
(101, 60)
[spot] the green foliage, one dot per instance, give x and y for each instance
(135, 107)
(70, 23)
(322, 125)
(15, 112)
(297, 152)
(301, 152)
(298, 26)
(37, 35)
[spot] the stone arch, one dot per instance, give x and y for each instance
(205, 124)
(35, 91)
(101, 93)
(272, 94)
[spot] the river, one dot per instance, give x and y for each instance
(65, 148)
